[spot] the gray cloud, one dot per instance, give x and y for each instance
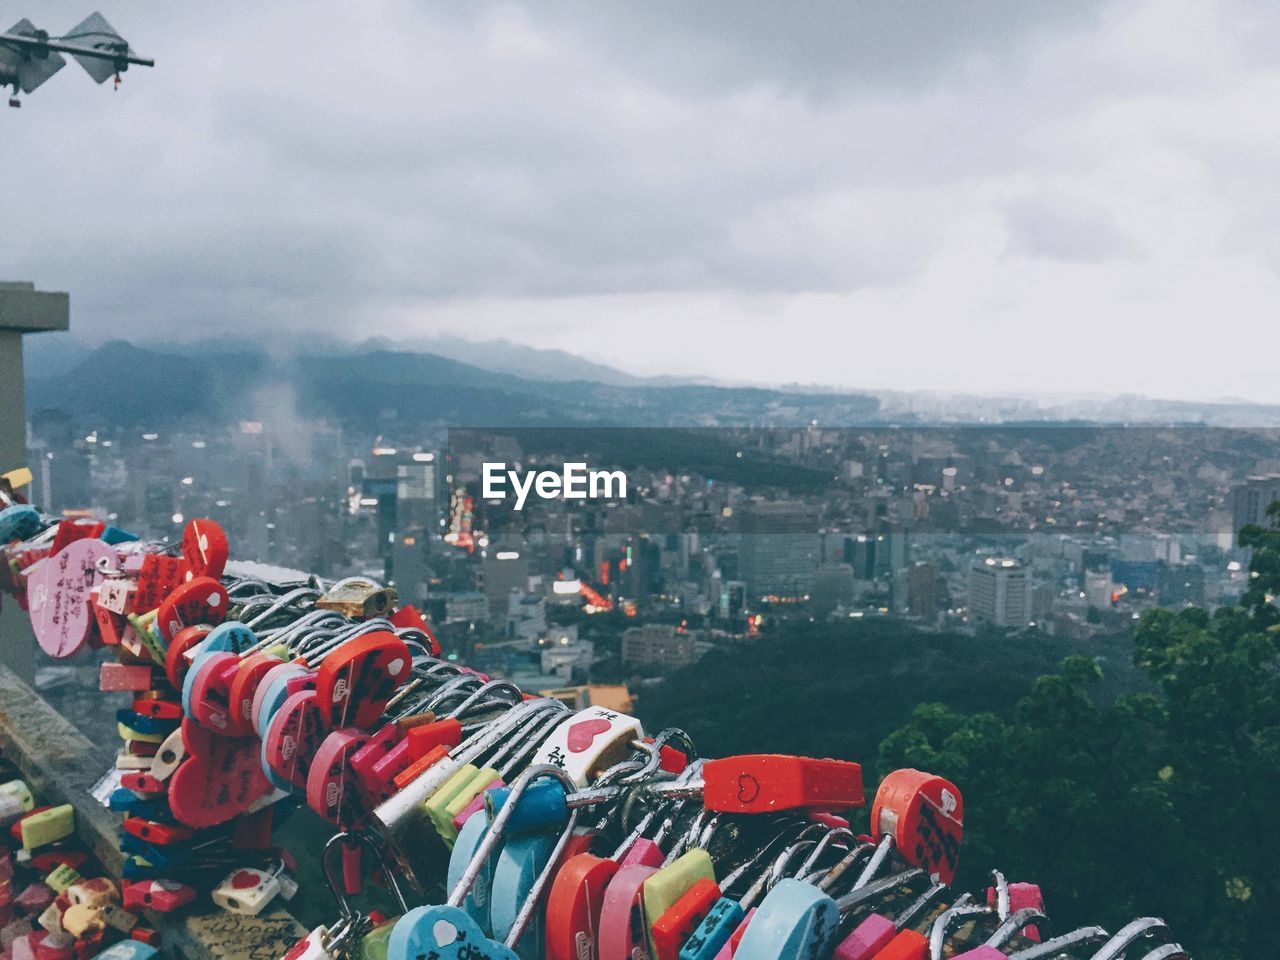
(707, 173)
(1057, 229)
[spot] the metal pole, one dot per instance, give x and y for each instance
(45, 46)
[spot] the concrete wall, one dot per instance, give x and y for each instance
(23, 310)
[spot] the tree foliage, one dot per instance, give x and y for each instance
(1163, 804)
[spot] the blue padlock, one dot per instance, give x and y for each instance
(543, 806)
(19, 522)
(144, 724)
(520, 862)
(442, 933)
(128, 950)
(477, 899)
(114, 535)
(795, 920)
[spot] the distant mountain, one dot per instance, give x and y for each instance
(121, 384)
(516, 359)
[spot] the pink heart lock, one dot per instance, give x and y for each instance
(58, 596)
(220, 777)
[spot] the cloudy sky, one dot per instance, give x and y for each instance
(980, 196)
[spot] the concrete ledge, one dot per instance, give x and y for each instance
(24, 308)
(62, 766)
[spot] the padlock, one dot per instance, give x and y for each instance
(117, 918)
(246, 891)
(1007, 930)
(129, 950)
(589, 742)
(33, 899)
(81, 919)
(204, 549)
(163, 834)
(924, 814)
(358, 599)
(678, 923)
(796, 919)
(163, 896)
(41, 827)
(1020, 895)
(114, 677)
(62, 877)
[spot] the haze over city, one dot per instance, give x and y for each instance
(979, 198)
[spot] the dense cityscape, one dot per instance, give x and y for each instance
(725, 533)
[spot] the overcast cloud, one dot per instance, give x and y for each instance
(982, 196)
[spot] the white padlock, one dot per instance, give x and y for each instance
(247, 891)
(587, 742)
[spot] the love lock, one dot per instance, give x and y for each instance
(443, 933)
(58, 596)
(198, 600)
(19, 522)
(589, 742)
(204, 549)
(292, 739)
(230, 763)
(356, 680)
(924, 814)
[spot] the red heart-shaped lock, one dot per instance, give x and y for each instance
(58, 596)
(220, 778)
(210, 705)
(157, 578)
(244, 685)
(332, 791)
(356, 680)
(204, 549)
(293, 737)
(202, 600)
(176, 663)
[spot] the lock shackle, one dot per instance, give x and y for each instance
(762, 855)
(284, 600)
(1060, 944)
(1127, 935)
(877, 889)
(338, 889)
(1015, 922)
(958, 913)
(882, 851)
(832, 835)
(517, 747)
(1001, 885)
(494, 833)
(1170, 951)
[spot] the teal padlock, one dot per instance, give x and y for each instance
(442, 933)
(19, 522)
(476, 903)
(520, 863)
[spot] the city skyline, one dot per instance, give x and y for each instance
(992, 200)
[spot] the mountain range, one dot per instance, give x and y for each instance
(499, 382)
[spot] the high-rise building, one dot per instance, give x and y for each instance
(1249, 501)
(922, 591)
(780, 548)
(655, 644)
(1000, 592)
(504, 572)
(407, 566)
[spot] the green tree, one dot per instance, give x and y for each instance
(1163, 804)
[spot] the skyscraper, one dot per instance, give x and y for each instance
(1000, 592)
